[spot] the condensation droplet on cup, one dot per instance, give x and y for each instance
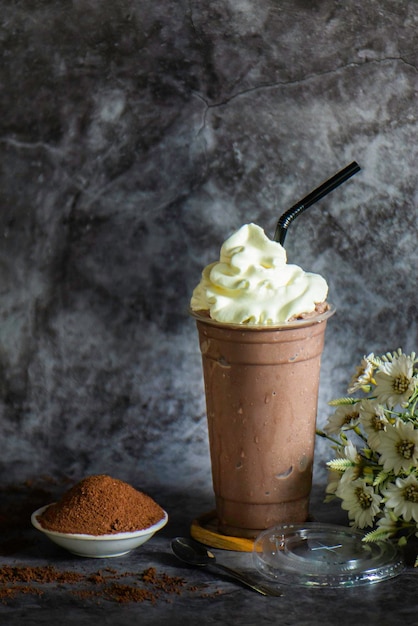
(204, 346)
(285, 474)
(303, 463)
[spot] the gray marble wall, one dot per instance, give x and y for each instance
(135, 136)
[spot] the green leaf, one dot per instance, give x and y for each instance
(376, 535)
(380, 478)
(368, 453)
(343, 401)
(340, 465)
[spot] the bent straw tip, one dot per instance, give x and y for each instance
(321, 191)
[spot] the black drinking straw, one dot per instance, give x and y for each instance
(311, 198)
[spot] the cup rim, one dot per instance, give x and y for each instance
(310, 321)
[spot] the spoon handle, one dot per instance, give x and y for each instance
(265, 591)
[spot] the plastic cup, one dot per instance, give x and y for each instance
(261, 388)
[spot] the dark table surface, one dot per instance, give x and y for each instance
(178, 593)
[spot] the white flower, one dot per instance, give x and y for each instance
(389, 523)
(350, 452)
(343, 469)
(333, 483)
(361, 502)
(402, 497)
(363, 375)
(344, 416)
(378, 483)
(395, 382)
(398, 447)
(373, 420)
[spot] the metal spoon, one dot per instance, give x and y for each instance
(194, 553)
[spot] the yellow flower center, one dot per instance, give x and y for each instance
(377, 423)
(364, 499)
(410, 493)
(351, 417)
(405, 448)
(400, 384)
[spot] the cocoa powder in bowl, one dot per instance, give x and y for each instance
(101, 505)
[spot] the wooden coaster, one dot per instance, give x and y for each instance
(205, 530)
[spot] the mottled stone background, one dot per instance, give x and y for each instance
(135, 136)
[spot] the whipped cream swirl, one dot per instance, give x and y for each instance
(252, 283)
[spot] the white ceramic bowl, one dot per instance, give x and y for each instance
(98, 546)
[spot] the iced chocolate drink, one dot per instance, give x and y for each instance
(261, 395)
(261, 372)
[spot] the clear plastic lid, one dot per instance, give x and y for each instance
(324, 555)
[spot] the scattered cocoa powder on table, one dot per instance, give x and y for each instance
(15, 580)
(150, 585)
(101, 505)
(39, 574)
